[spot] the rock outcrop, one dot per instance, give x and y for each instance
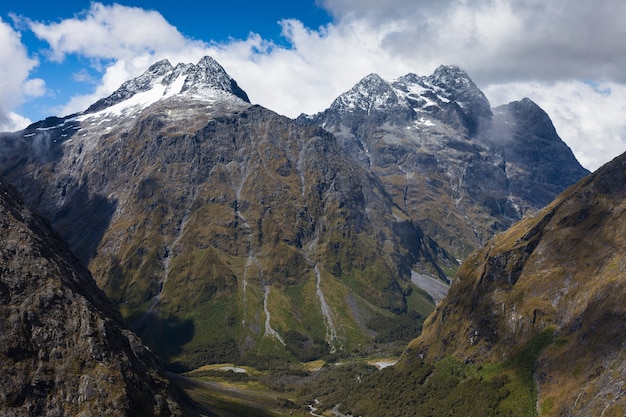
(64, 348)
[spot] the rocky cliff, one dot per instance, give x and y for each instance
(64, 349)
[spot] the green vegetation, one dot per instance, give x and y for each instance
(402, 328)
(448, 387)
(521, 366)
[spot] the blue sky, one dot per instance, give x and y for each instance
(569, 56)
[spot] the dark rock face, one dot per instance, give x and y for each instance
(64, 349)
(459, 170)
(541, 165)
(562, 271)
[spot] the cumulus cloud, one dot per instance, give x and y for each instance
(568, 56)
(320, 65)
(114, 31)
(15, 66)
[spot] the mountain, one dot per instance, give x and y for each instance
(458, 169)
(221, 230)
(64, 349)
(207, 80)
(555, 280)
(534, 323)
(225, 232)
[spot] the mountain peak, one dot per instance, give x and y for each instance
(457, 86)
(159, 67)
(446, 72)
(372, 78)
(372, 92)
(448, 95)
(206, 80)
(209, 75)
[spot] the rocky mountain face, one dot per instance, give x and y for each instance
(64, 349)
(458, 169)
(221, 230)
(554, 282)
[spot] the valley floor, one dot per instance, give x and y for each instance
(225, 390)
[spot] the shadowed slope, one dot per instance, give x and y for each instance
(64, 349)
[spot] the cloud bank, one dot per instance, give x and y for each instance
(568, 56)
(15, 86)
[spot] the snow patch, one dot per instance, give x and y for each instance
(424, 122)
(383, 364)
(234, 369)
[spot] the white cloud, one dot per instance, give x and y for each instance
(114, 31)
(15, 66)
(307, 77)
(34, 87)
(503, 39)
(511, 48)
(11, 122)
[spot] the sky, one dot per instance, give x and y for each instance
(569, 56)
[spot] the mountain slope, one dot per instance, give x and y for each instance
(457, 168)
(63, 347)
(222, 230)
(533, 324)
(562, 273)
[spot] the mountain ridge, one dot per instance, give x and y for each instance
(225, 232)
(533, 323)
(204, 79)
(436, 139)
(222, 230)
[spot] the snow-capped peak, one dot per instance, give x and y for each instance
(206, 80)
(371, 92)
(448, 89)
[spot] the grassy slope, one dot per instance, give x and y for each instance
(560, 272)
